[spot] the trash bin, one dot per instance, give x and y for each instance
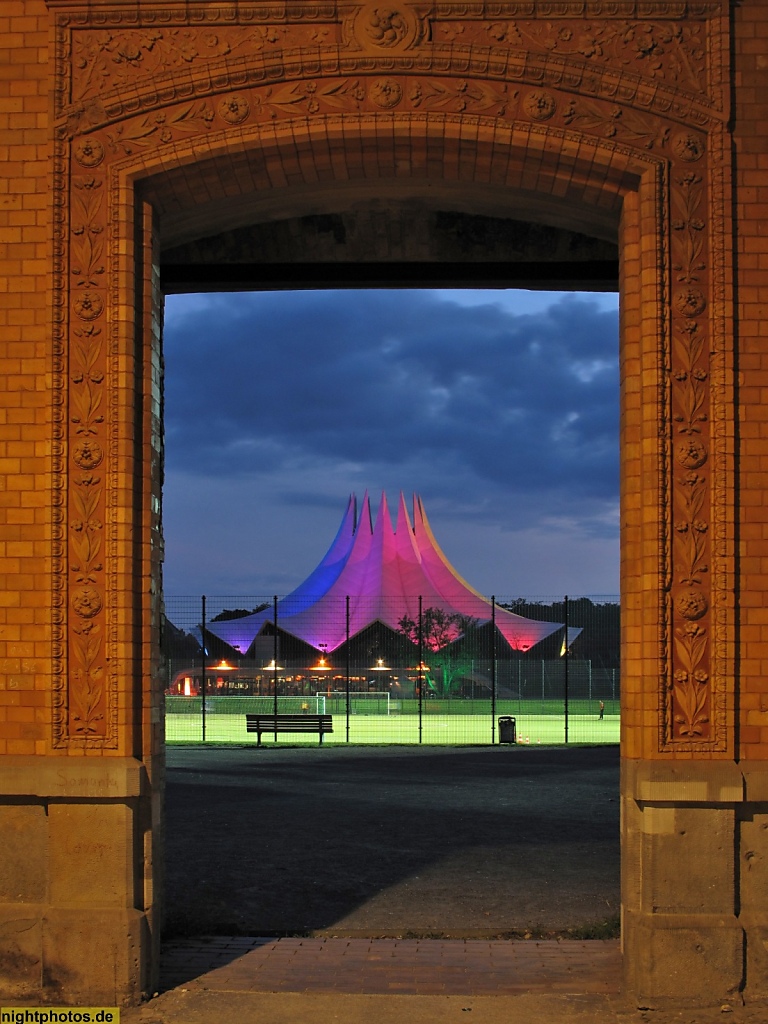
(507, 729)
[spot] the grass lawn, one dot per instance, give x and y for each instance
(437, 729)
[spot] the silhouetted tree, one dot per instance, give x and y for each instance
(449, 661)
(237, 613)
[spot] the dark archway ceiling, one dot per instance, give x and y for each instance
(392, 244)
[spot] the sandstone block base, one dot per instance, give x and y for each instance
(695, 882)
(76, 915)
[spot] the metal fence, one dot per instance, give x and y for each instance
(412, 674)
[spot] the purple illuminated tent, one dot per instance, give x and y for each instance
(383, 571)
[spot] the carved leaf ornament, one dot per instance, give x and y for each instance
(690, 709)
(668, 51)
(631, 74)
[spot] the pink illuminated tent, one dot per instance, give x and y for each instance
(384, 572)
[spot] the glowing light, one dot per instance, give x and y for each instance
(223, 667)
(320, 666)
(385, 570)
(380, 666)
(573, 633)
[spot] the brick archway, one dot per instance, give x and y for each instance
(171, 125)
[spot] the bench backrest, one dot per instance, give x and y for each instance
(289, 723)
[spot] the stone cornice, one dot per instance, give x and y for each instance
(239, 12)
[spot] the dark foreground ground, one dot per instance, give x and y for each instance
(397, 841)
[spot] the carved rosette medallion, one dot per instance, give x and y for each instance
(691, 453)
(688, 146)
(88, 152)
(87, 602)
(539, 105)
(234, 109)
(385, 27)
(88, 305)
(87, 454)
(129, 92)
(691, 301)
(691, 604)
(386, 93)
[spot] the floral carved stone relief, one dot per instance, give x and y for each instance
(689, 708)
(84, 715)
(665, 51)
(387, 60)
(110, 58)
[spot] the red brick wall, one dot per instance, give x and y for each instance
(750, 113)
(25, 366)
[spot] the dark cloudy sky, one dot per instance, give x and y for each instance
(500, 408)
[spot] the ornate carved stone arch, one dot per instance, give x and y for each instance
(173, 119)
(568, 108)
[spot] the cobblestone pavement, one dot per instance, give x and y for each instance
(247, 980)
(402, 966)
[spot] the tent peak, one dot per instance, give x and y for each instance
(403, 520)
(378, 574)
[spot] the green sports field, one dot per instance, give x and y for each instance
(441, 723)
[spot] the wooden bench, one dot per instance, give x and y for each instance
(259, 724)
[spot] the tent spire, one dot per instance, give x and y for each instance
(384, 572)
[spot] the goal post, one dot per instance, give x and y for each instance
(370, 703)
(311, 704)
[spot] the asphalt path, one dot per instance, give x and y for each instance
(393, 841)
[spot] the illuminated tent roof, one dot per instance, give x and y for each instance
(384, 571)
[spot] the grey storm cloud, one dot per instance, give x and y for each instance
(523, 404)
